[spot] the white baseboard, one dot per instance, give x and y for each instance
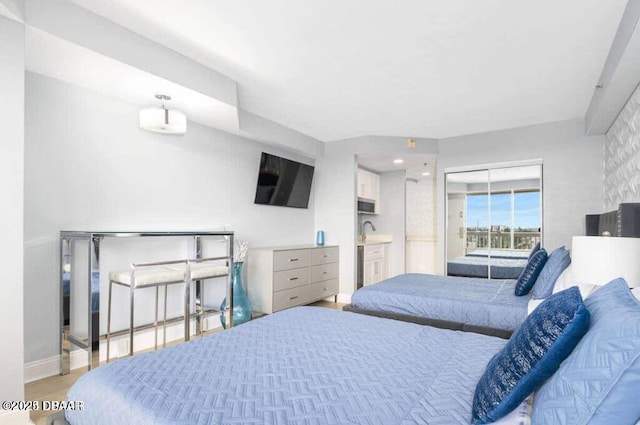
(14, 417)
(40, 369)
(50, 366)
(144, 340)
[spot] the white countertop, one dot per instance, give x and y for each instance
(373, 239)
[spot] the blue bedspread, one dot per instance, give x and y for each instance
(306, 365)
(501, 268)
(473, 301)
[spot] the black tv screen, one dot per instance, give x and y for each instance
(283, 182)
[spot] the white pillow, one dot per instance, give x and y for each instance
(533, 303)
(565, 281)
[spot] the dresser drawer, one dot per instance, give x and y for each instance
(287, 279)
(373, 252)
(324, 272)
(290, 298)
(290, 259)
(323, 289)
(324, 255)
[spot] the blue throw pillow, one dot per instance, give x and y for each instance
(535, 249)
(599, 383)
(557, 262)
(534, 352)
(530, 273)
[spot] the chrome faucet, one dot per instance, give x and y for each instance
(364, 235)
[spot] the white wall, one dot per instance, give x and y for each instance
(335, 213)
(11, 218)
(12, 9)
(572, 171)
(391, 220)
(88, 166)
(622, 157)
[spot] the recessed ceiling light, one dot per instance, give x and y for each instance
(398, 161)
(426, 173)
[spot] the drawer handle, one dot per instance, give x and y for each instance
(325, 256)
(293, 259)
(293, 278)
(293, 298)
(325, 289)
(325, 272)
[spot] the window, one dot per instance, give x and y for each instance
(514, 216)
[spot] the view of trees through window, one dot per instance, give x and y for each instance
(512, 221)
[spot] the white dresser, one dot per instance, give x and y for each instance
(283, 277)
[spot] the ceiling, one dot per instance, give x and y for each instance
(414, 163)
(336, 69)
(66, 61)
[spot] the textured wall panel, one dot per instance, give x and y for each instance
(421, 209)
(622, 157)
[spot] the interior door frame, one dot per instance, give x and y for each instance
(489, 167)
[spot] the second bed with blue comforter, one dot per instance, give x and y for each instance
(501, 268)
(306, 365)
(478, 302)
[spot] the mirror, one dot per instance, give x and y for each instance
(494, 219)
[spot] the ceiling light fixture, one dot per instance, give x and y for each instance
(398, 161)
(163, 120)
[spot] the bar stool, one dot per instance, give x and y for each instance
(201, 270)
(197, 270)
(147, 275)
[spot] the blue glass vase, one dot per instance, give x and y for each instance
(241, 305)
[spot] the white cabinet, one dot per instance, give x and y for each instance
(376, 263)
(369, 186)
(286, 277)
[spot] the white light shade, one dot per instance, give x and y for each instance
(597, 260)
(161, 120)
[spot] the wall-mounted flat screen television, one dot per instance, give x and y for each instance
(283, 182)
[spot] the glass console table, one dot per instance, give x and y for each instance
(93, 240)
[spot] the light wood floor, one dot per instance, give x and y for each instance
(55, 388)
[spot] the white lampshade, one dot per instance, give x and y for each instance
(162, 120)
(596, 260)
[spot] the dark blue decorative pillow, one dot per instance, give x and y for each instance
(530, 273)
(553, 268)
(533, 354)
(535, 249)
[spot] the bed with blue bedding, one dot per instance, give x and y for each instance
(501, 268)
(305, 365)
(497, 253)
(570, 362)
(479, 305)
